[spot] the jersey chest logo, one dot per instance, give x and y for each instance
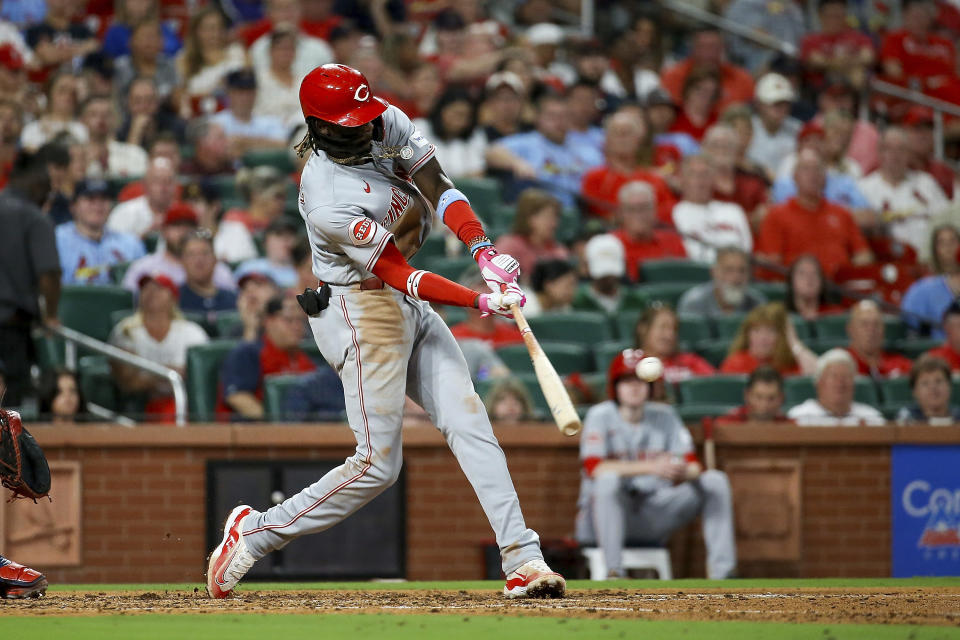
(398, 204)
(361, 231)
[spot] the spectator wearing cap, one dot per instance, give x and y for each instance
(278, 85)
(930, 383)
(145, 122)
(834, 405)
(13, 47)
(30, 266)
(606, 268)
(553, 285)
(276, 351)
(837, 48)
(728, 292)
(762, 399)
(108, 157)
(808, 223)
(949, 351)
(628, 151)
(916, 57)
(502, 109)
(707, 52)
(279, 239)
(207, 56)
(452, 128)
(918, 123)
(13, 77)
(865, 330)
(309, 52)
(545, 40)
(60, 38)
(730, 182)
(117, 39)
(245, 130)
(145, 214)
(86, 246)
(159, 333)
(147, 60)
(212, 154)
(783, 21)
(547, 155)
(178, 222)
(774, 130)
(706, 223)
(199, 293)
(59, 115)
(636, 219)
(928, 298)
(534, 233)
(907, 200)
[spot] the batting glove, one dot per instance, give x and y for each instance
(499, 302)
(497, 269)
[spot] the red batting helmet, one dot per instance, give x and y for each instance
(624, 365)
(338, 94)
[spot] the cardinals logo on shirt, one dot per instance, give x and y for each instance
(361, 231)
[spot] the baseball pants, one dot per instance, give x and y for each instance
(650, 518)
(386, 345)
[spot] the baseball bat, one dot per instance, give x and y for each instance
(564, 415)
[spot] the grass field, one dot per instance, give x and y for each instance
(831, 609)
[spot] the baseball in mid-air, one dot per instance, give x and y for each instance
(649, 369)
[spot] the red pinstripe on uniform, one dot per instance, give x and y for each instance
(366, 426)
(420, 162)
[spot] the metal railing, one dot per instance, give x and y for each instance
(72, 338)
(939, 107)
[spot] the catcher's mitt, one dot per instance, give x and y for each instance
(23, 467)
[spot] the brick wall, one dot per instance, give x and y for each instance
(144, 495)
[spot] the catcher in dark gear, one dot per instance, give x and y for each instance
(23, 470)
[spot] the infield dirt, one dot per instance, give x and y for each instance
(924, 606)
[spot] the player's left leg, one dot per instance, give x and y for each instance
(18, 581)
(438, 380)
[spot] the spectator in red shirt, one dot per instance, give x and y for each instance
(865, 331)
(629, 153)
(534, 234)
(730, 182)
(636, 218)
(698, 107)
(767, 336)
(656, 334)
(277, 351)
(808, 223)
(707, 52)
(807, 290)
(762, 399)
(837, 48)
(918, 123)
(917, 58)
(950, 349)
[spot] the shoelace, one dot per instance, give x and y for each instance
(536, 565)
(238, 568)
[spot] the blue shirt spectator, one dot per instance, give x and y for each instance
(199, 293)
(87, 248)
(238, 121)
(839, 189)
(925, 301)
(283, 274)
(316, 396)
(116, 42)
(23, 13)
(684, 142)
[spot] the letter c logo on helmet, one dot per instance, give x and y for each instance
(340, 95)
(362, 94)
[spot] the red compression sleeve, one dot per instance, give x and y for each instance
(463, 221)
(394, 269)
(589, 464)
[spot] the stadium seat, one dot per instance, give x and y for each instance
(483, 194)
(227, 185)
(913, 348)
(566, 358)
(117, 272)
(227, 323)
(277, 158)
(624, 324)
(664, 292)
(96, 381)
(275, 390)
(718, 389)
(605, 352)
(578, 327)
(693, 413)
(831, 326)
(896, 392)
(529, 380)
(714, 351)
(88, 309)
(598, 384)
(569, 227)
(688, 271)
(772, 291)
(692, 329)
(726, 327)
(452, 268)
(797, 389)
(203, 377)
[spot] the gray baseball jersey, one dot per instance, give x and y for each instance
(351, 211)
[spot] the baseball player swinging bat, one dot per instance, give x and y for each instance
(561, 408)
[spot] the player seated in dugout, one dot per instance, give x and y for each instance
(276, 351)
(762, 399)
(641, 479)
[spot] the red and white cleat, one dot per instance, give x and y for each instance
(18, 581)
(230, 560)
(535, 580)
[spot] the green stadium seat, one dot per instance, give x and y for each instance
(598, 384)
(88, 309)
(693, 329)
(797, 389)
(483, 194)
(822, 345)
(275, 388)
(117, 272)
(276, 158)
(714, 351)
(896, 391)
(772, 291)
(831, 326)
(96, 381)
(434, 247)
(694, 413)
(227, 186)
(203, 377)
(452, 268)
(452, 315)
(605, 352)
(569, 227)
(227, 323)
(529, 380)
(577, 327)
(686, 271)
(624, 324)
(665, 292)
(726, 327)
(500, 216)
(913, 348)
(566, 358)
(718, 389)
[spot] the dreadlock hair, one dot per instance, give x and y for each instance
(342, 146)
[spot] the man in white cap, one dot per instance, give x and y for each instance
(606, 267)
(774, 131)
(834, 405)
